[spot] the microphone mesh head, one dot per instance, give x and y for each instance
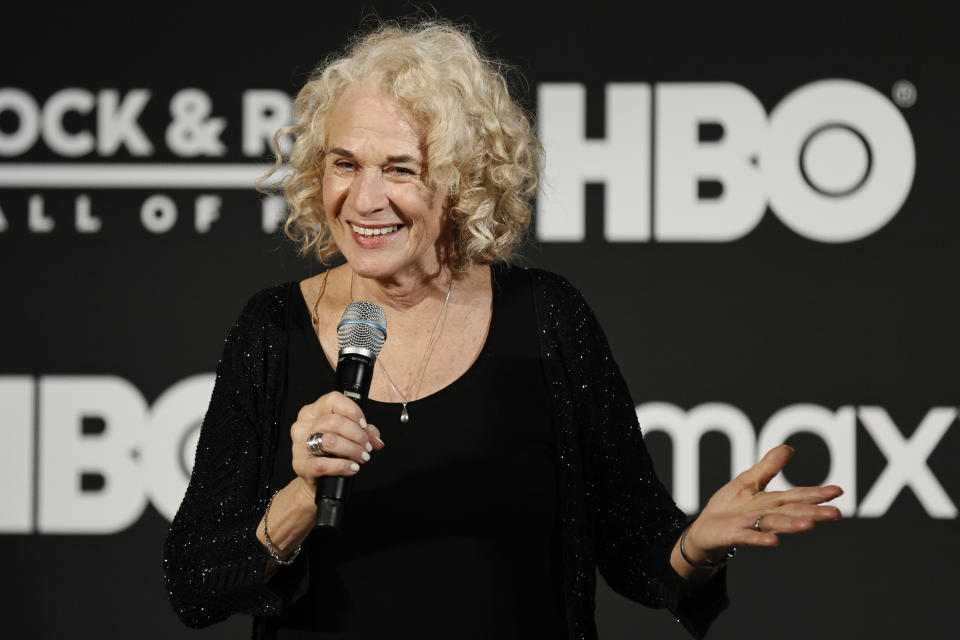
(363, 325)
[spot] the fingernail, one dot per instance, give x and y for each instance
(363, 422)
(369, 446)
(380, 441)
(354, 466)
(364, 456)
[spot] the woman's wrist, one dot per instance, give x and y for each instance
(268, 541)
(698, 556)
(287, 520)
(305, 494)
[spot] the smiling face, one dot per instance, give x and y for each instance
(382, 215)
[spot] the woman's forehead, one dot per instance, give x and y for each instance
(372, 120)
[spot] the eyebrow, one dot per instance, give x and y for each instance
(403, 157)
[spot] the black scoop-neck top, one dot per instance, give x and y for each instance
(452, 530)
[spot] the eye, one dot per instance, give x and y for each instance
(344, 164)
(402, 172)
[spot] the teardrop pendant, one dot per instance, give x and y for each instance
(404, 416)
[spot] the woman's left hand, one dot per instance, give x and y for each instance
(741, 513)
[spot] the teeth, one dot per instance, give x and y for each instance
(376, 231)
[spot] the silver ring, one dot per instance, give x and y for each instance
(315, 445)
(756, 524)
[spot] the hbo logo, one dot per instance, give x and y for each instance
(834, 161)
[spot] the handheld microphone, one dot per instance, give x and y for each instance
(360, 335)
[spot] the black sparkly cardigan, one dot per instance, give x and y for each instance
(615, 513)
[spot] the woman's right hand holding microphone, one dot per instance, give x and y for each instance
(342, 440)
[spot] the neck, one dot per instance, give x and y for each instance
(400, 292)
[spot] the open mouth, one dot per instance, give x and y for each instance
(371, 232)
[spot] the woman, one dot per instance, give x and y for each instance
(498, 460)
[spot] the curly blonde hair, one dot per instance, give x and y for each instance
(479, 143)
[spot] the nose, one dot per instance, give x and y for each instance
(369, 192)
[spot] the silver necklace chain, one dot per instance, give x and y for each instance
(414, 388)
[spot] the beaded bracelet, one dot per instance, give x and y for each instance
(266, 538)
(704, 565)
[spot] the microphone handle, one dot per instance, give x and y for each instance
(354, 374)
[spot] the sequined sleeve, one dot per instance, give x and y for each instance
(213, 564)
(628, 523)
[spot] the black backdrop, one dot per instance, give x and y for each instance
(103, 332)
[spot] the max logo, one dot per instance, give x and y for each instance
(906, 456)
